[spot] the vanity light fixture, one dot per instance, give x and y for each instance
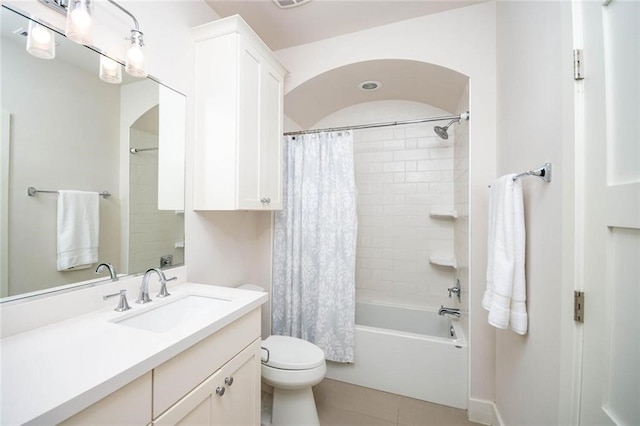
(40, 41)
(79, 21)
(110, 70)
(134, 61)
(79, 17)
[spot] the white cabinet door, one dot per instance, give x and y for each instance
(240, 402)
(231, 396)
(249, 127)
(239, 113)
(271, 138)
(260, 132)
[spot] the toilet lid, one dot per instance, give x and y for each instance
(291, 353)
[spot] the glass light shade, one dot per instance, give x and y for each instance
(40, 41)
(79, 21)
(135, 61)
(110, 70)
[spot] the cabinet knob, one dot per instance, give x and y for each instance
(220, 390)
(265, 200)
(228, 381)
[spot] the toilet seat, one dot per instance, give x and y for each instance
(291, 353)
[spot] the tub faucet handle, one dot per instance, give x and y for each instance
(455, 290)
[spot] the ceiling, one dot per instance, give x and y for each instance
(320, 19)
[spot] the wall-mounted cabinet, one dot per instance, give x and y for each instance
(239, 115)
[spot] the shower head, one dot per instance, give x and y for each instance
(442, 131)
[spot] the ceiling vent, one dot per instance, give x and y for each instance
(286, 4)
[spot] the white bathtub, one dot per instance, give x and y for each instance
(407, 351)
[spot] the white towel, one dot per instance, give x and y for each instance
(78, 229)
(505, 295)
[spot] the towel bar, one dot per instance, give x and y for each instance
(31, 191)
(543, 173)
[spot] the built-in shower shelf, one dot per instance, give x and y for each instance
(444, 214)
(449, 261)
(179, 244)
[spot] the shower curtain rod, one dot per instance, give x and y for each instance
(463, 116)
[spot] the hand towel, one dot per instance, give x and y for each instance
(505, 295)
(78, 229)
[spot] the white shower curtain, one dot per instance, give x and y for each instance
(315, 244)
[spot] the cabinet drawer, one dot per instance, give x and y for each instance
(178, 376)
(129, 405)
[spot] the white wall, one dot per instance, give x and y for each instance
(534, 118)
(463, 40)
(402, 173)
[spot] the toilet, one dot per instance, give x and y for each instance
(291, 366)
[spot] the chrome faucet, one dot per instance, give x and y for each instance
(455, 290)
(144, 288)
(449, 311)
(112, 270)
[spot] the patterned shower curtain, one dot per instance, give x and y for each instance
(315, 244)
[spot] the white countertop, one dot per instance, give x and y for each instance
(52, 372)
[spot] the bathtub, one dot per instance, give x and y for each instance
(407, 351)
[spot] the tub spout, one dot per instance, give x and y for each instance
(449, 311)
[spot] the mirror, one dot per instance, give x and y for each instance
(65, 129)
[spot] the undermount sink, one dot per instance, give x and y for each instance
(171, 314)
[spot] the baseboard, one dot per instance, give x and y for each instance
(484, 412)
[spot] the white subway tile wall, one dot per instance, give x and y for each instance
(152, 233)
(402, 174)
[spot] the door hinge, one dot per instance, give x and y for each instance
(578, 306)
(578, 65)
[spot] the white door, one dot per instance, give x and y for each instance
(608, 157)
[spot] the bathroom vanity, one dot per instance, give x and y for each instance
(192, 357)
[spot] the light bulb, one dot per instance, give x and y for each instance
(40, 41)
(79, 21)
(41, 35)
(135, 63)
(135, 55)
(81, 18)
(108, 63)
(110, 70)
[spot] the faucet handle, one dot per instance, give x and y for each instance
(123, 305)
(455, 290)
(163, 286)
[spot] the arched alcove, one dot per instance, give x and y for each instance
(400, 79)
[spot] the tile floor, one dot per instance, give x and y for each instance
(342, 404)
